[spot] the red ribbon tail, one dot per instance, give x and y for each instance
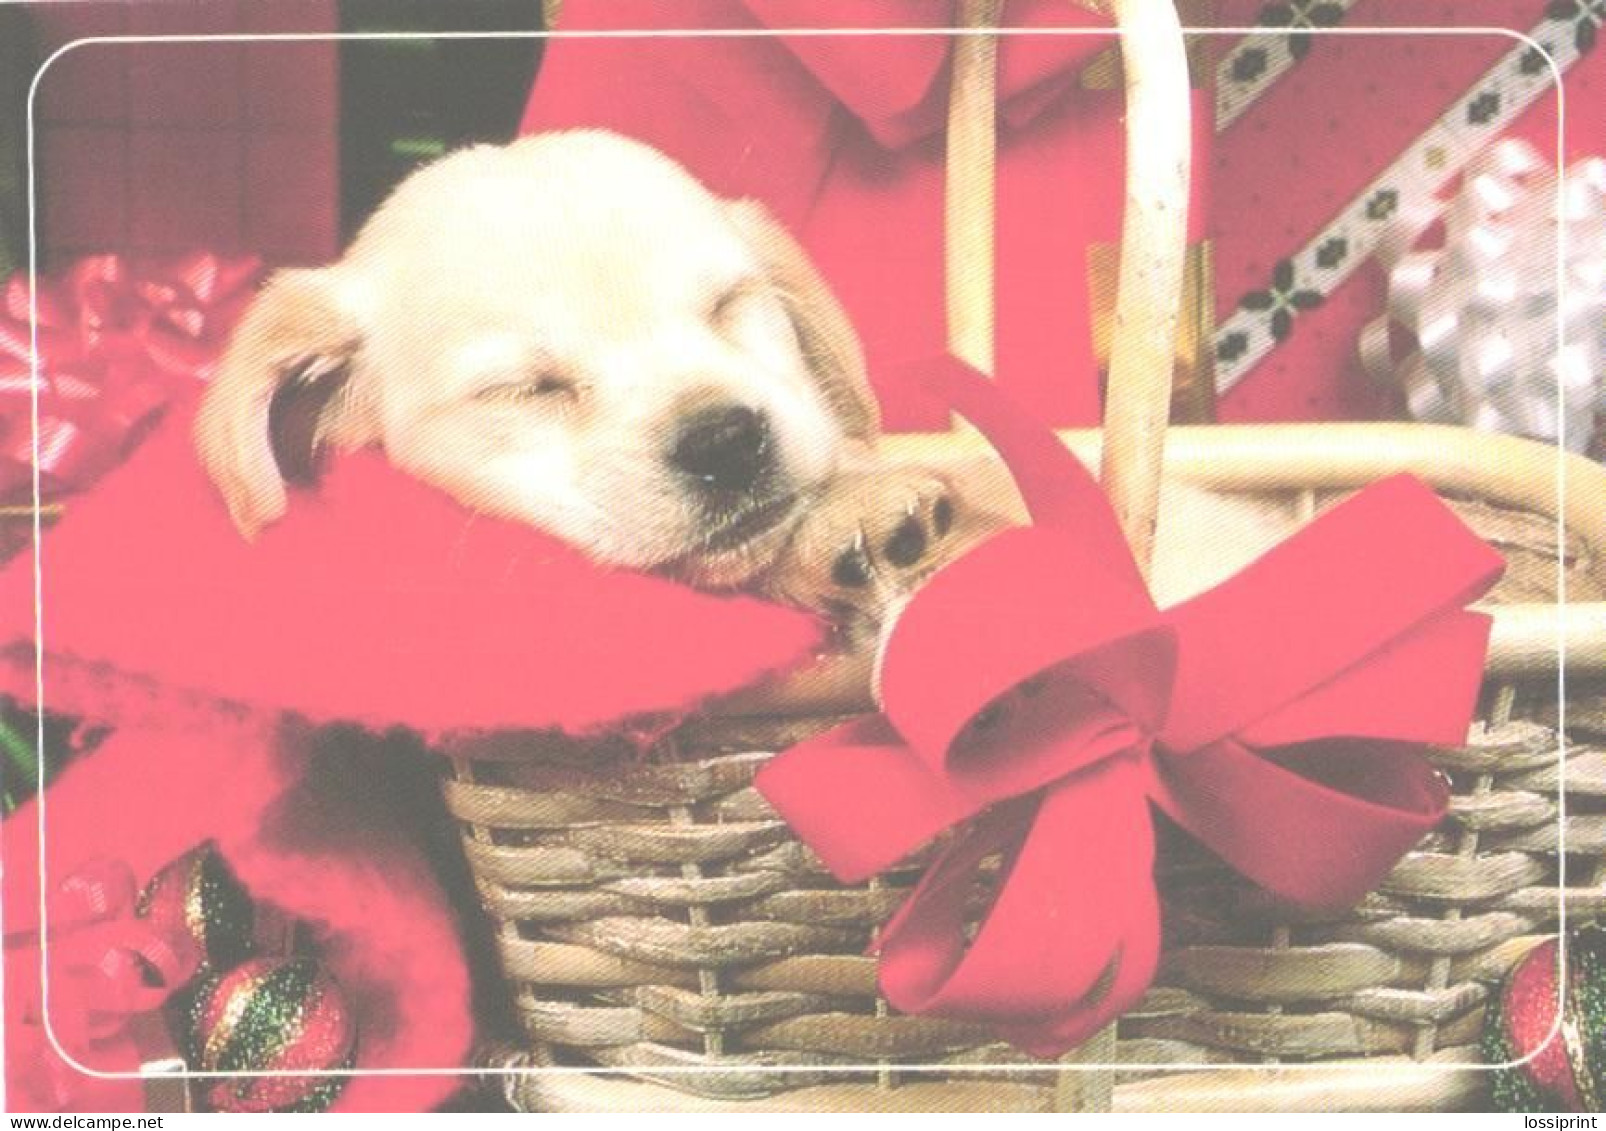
(1124, 981)
(1384, 695)
(1071, 937)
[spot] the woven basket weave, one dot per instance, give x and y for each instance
(653, 916)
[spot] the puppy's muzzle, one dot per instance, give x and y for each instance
(724, 451)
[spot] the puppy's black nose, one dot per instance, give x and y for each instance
(725, 448)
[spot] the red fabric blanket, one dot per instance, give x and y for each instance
(377, 601)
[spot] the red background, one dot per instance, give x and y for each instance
(165, 147)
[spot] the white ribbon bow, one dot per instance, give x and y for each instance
(1509, 328)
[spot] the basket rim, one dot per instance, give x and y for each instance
(1510, 470)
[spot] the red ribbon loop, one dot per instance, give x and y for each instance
(1032, 690)
(931, 691)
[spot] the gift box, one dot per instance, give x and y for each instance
(1326, 142)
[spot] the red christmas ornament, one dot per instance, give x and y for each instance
(272, 1016)
(198, 897)
(1549, 1024)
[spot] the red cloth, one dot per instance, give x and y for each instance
(842, 138)
(377, 600)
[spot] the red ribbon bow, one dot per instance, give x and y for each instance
(1033, 690)
(105, 966)
(116, 343)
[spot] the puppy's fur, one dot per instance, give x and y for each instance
(571, 331)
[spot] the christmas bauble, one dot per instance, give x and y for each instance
(272, 1016)
(1568, 1068)
(198, 896)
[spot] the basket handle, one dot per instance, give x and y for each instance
(1153, 237)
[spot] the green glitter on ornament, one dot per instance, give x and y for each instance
(228, 915)
(272, 1014)
(1586, 954)
(1509, 1088)
(1515, 1089)
(324, 1094)
(271, 1020)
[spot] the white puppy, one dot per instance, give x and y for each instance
(568, 331)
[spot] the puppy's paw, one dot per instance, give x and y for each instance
(873, 540)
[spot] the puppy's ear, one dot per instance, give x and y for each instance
(830, 344)
(280, 394)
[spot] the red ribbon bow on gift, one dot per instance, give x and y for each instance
(106, 965)
(1033, 690)
(116, 342)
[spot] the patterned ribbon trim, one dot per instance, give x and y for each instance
(1300, 282)
(1253, 66)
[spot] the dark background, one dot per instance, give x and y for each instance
(403, 102)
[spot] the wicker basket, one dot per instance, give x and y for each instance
(655, 918)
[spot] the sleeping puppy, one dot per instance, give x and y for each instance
(571, 331)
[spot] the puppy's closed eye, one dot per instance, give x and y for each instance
(726, 299)
(547, 387)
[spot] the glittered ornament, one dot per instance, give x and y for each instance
(272, 1016)
(1567, 1071)
(199, 897)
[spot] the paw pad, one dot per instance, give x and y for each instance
(893, 546)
